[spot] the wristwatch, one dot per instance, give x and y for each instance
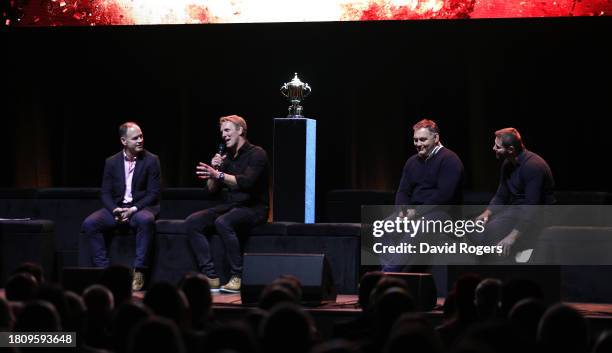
(221, 176)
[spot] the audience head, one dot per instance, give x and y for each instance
(54, 294)
(292, 283)
(37, 316)
(366, 286)
(196, 288)
(75, 312)
(498, 336)
(21, 287)
(33, 269)
(236, 337)
(128, 315)
(98, 301)
(255, 318)
(488, 298)
(287, 328)
(414, 331)
(465, 292)
(389, 306)
(563, 329)
(167, 301)
(385, 283)
(155, 334)
(526, 316)
(274, 294)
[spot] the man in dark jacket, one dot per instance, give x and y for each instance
(130, 195)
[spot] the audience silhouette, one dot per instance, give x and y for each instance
(480, 315)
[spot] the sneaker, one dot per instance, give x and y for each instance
(233, 286)
(137, 281)
(214, 283)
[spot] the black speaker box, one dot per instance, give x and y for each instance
(422, 288)
(312, 270)
(77, 279)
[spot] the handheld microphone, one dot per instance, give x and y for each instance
(221, 149)
(221, 152)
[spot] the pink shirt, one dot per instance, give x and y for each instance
(129, 166)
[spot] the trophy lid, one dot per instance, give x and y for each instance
(296, 81)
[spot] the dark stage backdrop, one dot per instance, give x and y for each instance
(67, 89)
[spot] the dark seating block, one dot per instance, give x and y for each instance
(276, 228)
(325, 229)
(172, 256)
(170, 226)
(26, 241)
(340, 242)
(31, 226)
(120, 245)
(575, 245)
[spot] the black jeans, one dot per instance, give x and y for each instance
(225, 223)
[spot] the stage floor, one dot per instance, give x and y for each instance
(349, 303)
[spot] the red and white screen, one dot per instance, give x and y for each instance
(143, 12)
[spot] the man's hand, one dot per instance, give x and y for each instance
(507, 242)
(484, 216)
(409, 213)
(217, 161)
(117, 213)
(204, 171)
(126, 213)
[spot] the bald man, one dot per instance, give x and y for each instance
(130, 195)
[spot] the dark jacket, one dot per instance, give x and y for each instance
(145, 182)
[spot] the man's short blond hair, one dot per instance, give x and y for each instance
(238, 121)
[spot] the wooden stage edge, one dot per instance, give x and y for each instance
(229, 307)
(348, 304)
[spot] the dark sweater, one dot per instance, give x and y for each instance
(435, 181)
(528, 182)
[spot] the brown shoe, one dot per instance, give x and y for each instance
(137, 281)
(233, 286)
(214, 283)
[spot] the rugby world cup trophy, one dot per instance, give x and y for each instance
(295, 91)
